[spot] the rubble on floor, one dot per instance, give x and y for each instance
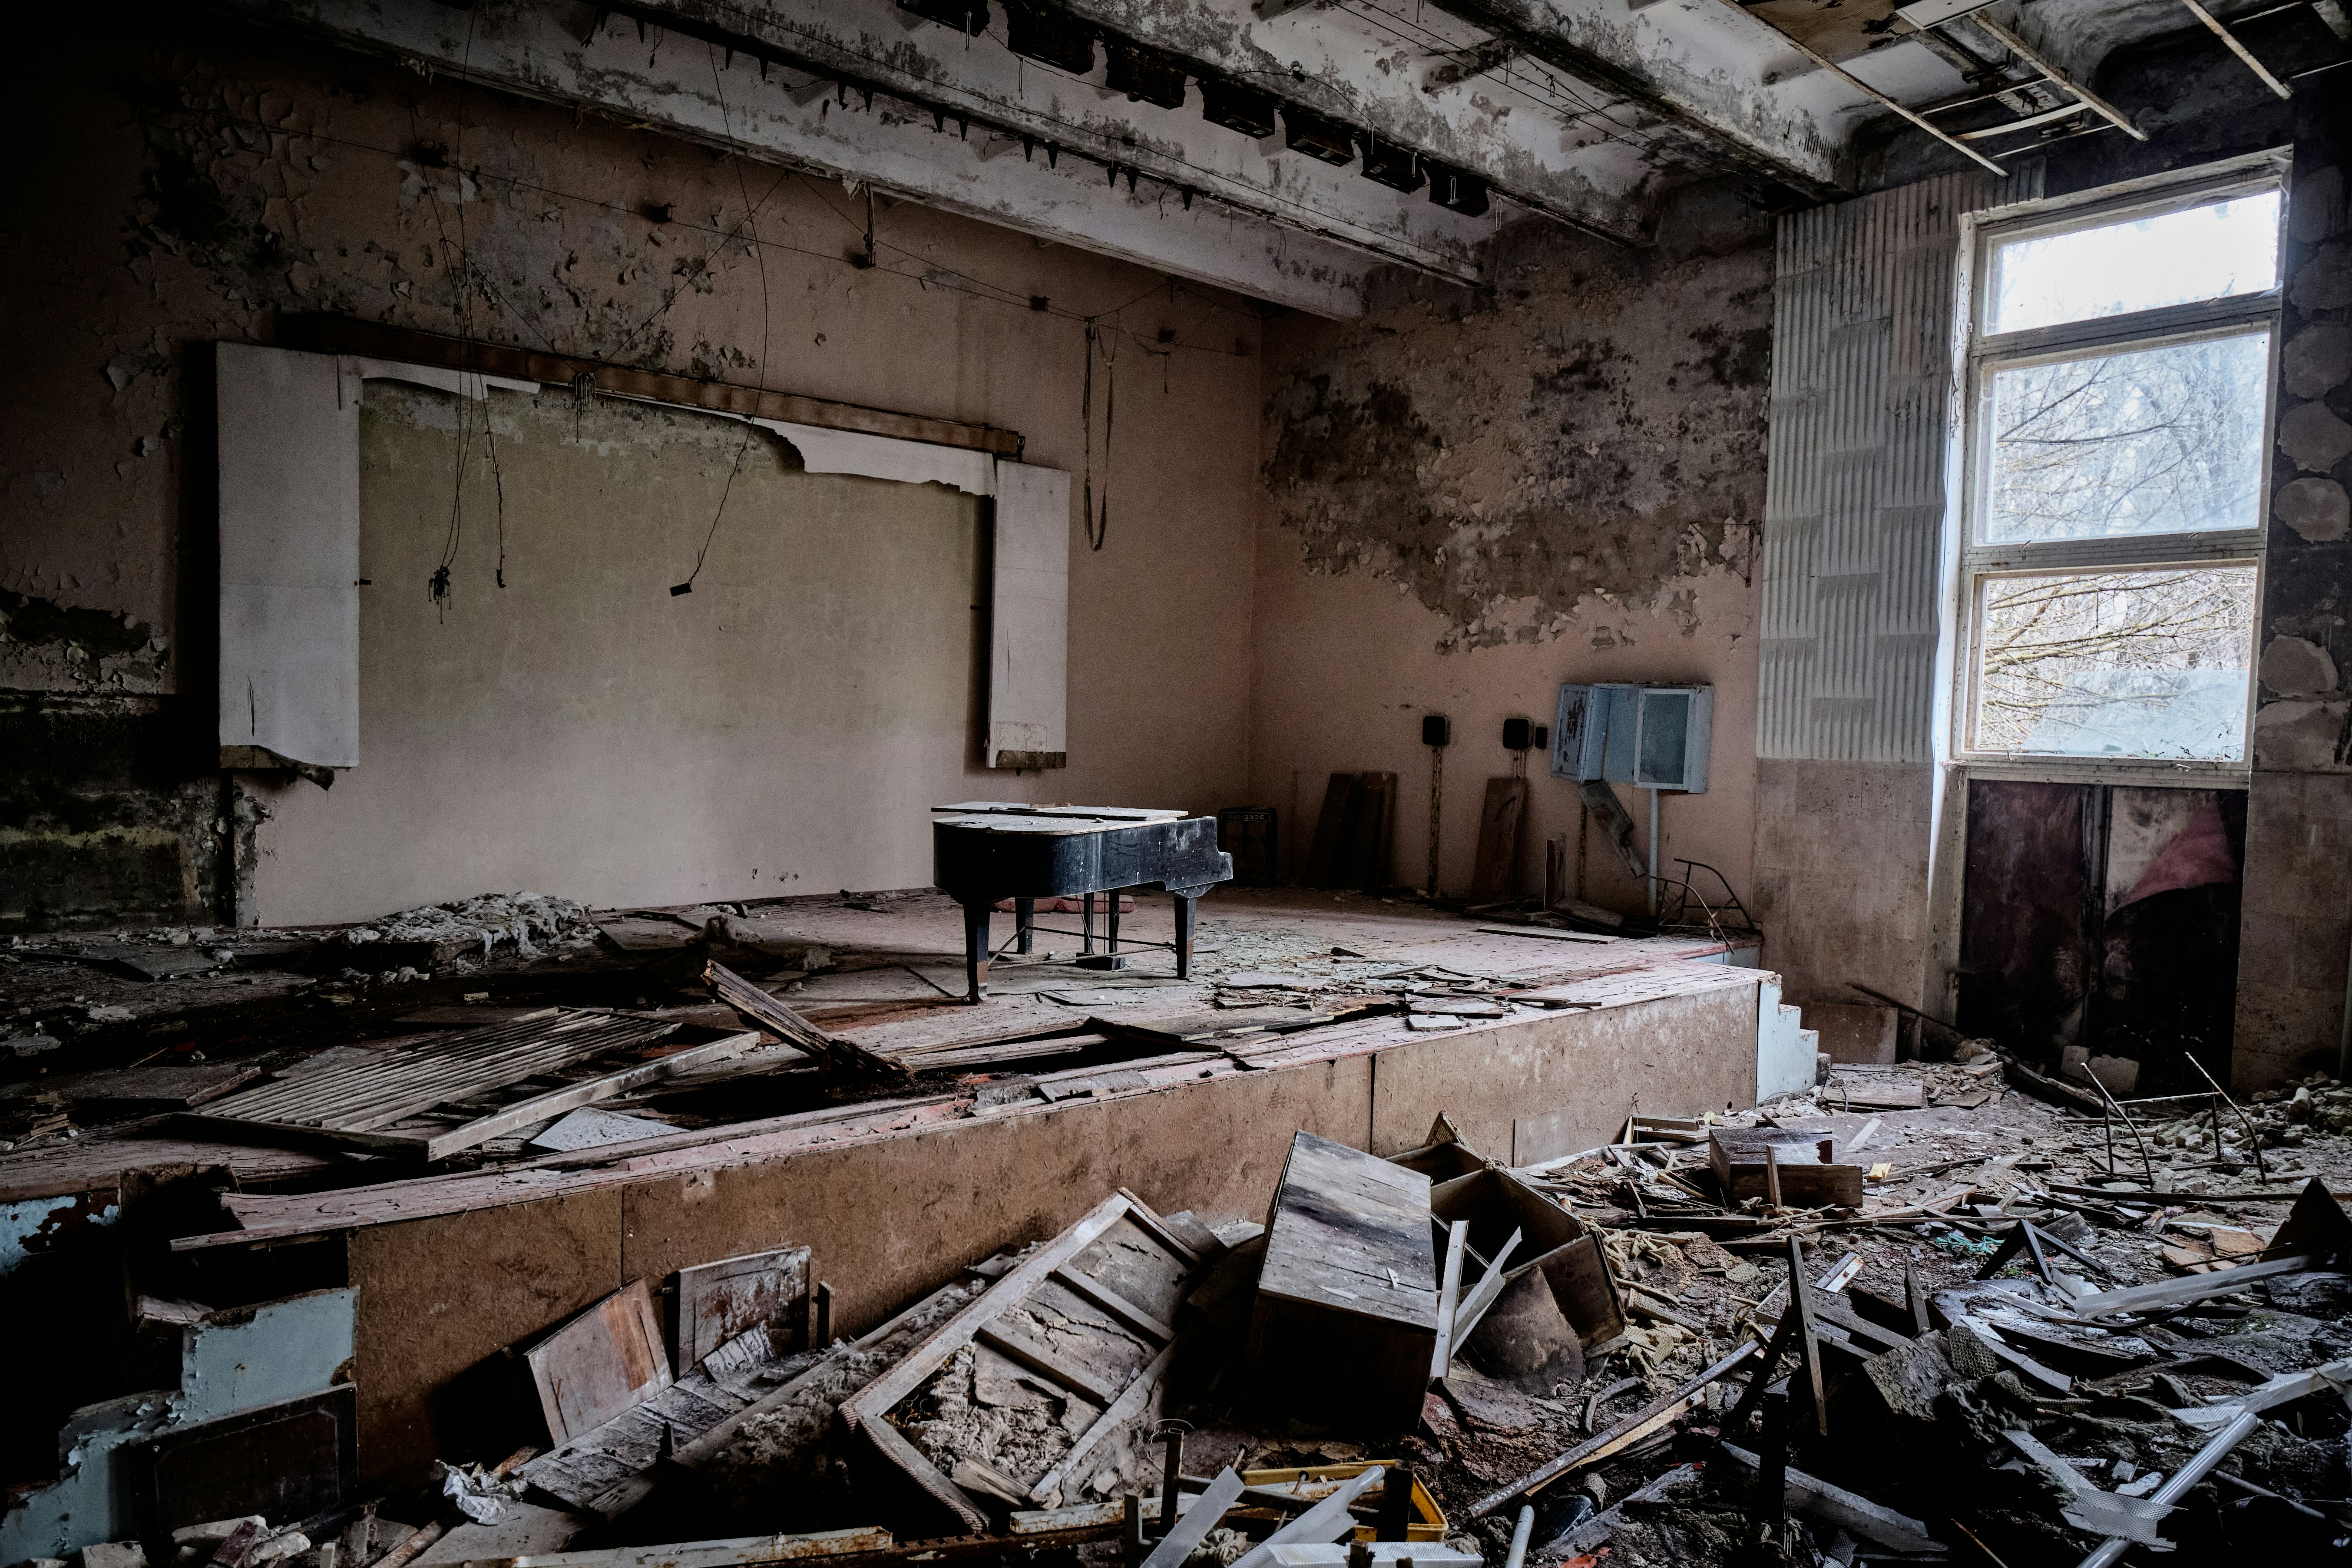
(1917, 1313)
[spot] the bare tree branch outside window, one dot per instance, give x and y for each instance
(2163, 440)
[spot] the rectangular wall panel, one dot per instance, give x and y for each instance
(1029, 636)
(290, 555)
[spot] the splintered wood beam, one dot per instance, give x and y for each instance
(756, 1006)
(2239, 50)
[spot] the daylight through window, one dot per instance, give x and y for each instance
(2120, 364)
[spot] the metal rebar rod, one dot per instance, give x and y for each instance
(2254, 1135)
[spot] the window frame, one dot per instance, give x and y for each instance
(1982, 355)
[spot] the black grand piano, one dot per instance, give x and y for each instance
(984, 850)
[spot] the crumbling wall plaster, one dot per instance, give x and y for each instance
(1582, 444)
(1473, 499)
(199, 182)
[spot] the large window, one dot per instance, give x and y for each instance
(2118, 427)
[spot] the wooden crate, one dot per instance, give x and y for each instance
(1566, 1250)
(1808, 1178)
(1346, 1320)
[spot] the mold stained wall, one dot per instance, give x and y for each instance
(1472, 499)
(195, 183)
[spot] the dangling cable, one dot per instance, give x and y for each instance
(1099, 530)
(759, 257)
(1087, 424)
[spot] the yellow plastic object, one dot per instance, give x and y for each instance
(1428, 1522)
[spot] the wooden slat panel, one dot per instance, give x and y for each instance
(446, 1069)
(570, 1097)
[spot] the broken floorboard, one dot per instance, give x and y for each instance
(452, 1093)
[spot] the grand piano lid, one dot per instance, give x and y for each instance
(1067, 827)
(1013, 808)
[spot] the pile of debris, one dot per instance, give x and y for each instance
(469, 929)
(1914, 1315)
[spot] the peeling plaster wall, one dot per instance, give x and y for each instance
(1473, 499)
(194, 182)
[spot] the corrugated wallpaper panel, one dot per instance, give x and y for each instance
(1862, 397)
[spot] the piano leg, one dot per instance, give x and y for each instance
(1110, 918)
(1184, 905)
(1087, 919)
(1025, 922)
(975, 948)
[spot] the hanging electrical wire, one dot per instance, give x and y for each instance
(759, 257)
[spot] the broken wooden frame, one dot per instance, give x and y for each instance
(1119, 1273)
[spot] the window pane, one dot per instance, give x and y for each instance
(2115, 664)
(2163, 440)
(2172, 258)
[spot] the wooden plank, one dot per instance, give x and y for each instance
(1550, 934)
(717, 1301)
(733, 1552)
(1449, 1292)
(1325, 850)
(601, 1363)
(1193, 1525)
(1116, 1305)
(955, 1024)
(1043, 1361)
(556, 1101)
(1474, 1306)
(2179, 1292)
(1125, 1408)
(363, 1095)
(323, 333)
(1866, 1091)
(1326, 1521)
(1624, 1433)
(1495, 872)
(759, 1008)
(866, 1408)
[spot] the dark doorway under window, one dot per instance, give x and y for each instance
(2102, 920)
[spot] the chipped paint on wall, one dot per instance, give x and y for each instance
(1567, 454)
(48, 646)
(33, 1225)
(201, 184)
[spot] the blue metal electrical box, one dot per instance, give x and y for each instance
(1653, 736)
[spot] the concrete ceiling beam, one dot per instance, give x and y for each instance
(1678, 64)
(979, 80)
(687, 90)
